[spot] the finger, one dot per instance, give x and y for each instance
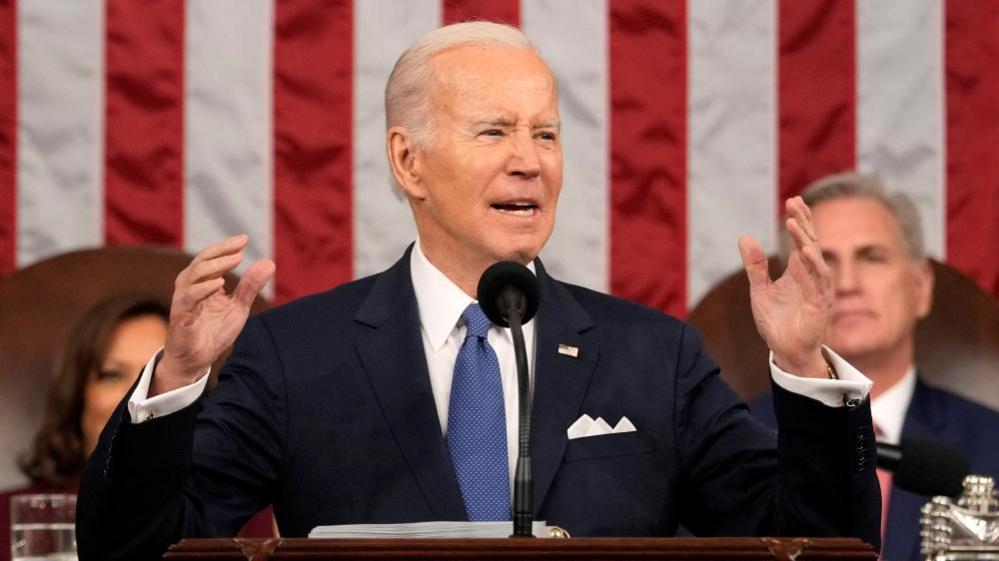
(811, 282)
(227, 246)
(214, 268)
(253, 282)
(817, 269)
(808, 254)
(797, 209)
(754, 260)
(799, 237)
(194, 294)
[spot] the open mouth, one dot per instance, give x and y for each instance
(517, 208)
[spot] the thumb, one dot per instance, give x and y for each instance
(259, 274)
(754, 260)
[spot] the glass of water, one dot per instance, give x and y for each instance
(42, 528)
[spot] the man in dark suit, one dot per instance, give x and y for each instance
(340, 407)
(883, 283)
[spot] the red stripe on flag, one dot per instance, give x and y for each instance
(313, 116)
(501, 11)
(648, 221)
(816, 92)
(972, 89)
(144, 136)
(8, 136)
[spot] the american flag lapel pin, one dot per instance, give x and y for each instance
(568, 350)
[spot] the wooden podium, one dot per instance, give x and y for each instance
(714, 549)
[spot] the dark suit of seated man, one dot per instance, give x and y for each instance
(883, 285)
(338, 408)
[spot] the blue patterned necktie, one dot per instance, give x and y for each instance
(476, 424)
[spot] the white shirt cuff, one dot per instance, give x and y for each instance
(852, 385)
(143, 408)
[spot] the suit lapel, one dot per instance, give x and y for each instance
(560, 381)
(391, 349)
(923, 419)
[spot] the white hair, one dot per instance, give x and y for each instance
(899, 205)
(407, 97)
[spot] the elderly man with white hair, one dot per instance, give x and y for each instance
(393, 398)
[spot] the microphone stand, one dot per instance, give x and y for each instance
(522, 482)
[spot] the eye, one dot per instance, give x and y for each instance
(109, 375)
(492, 132)
(547, 136)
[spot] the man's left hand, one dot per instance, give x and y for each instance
(792, 313)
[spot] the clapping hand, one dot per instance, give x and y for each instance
(204, 320)
(793, 312)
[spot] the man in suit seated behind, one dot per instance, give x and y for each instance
(340, 407)
(883, 282)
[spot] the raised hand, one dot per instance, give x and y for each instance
(793, 312)
(204, 320)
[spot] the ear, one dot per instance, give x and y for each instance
(403, 157)
(924, 280)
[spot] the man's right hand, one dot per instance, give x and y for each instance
(204, 320)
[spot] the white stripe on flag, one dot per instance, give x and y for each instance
(61, 128)
(732, 136)
(383, 224)
(573, 39)
(900, 108)
(227, 125)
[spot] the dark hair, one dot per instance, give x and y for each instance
(57, 454)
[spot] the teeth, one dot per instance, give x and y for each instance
(527, 211)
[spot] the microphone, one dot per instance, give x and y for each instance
(508, 294)
(924, 467)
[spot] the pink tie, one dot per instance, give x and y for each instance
(884, 478)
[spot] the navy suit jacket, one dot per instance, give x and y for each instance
(325, 410)
(939, 416)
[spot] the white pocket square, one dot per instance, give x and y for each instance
(588, 426)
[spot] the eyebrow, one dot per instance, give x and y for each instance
(504, 122)
(495, 121)
(861, 250)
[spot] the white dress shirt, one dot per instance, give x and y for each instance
(888, 409)
(441, 303)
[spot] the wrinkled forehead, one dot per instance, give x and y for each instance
(475, 70)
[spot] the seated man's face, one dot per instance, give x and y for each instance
(880, 291)
(490, 176)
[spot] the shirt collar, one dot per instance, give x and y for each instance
(888, 410)
(439, 300)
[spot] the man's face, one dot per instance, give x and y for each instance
(487, 183)
(880, 291)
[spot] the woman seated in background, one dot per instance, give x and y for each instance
(100, 360)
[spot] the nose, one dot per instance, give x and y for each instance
(845, 278)
(524, 161)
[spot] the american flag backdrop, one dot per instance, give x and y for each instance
(685, 124)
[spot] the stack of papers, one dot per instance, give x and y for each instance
(501, 529)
